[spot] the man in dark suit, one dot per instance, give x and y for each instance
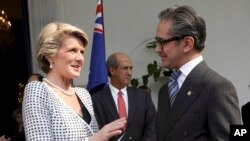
(140, 111)
(245, 110)
(197, 104)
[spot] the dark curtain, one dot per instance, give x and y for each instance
(15, 62)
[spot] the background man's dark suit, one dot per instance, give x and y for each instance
(203, 110)
(245, 110)
(141, 113)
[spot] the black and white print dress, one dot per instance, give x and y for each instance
(48, 118)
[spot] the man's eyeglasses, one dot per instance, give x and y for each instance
(162, 42)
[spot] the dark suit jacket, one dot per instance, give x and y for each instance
(245, 110)
(203, 110)
(141, 113)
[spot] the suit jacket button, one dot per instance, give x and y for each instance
(185, 133)
(130, 138)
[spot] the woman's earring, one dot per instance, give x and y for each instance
(50, 66)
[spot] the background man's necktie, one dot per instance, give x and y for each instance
(173, 86)
(121, 107)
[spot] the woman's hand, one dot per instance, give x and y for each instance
(109, 130)
(2, 138)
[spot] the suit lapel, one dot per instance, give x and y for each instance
(189, 91)
(131, 112)
(109, 102)
(131, 105)
(163, 112)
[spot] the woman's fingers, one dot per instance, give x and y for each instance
(114, 128)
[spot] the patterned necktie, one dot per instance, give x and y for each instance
(121, 107)
(173, 85)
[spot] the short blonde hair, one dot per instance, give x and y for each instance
(50, 39)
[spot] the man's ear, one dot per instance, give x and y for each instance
(111, 70)
(189, 43)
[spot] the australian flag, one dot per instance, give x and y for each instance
(98, 77)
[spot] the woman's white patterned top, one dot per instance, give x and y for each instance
(47, 117)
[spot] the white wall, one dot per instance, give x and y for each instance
(130, 22)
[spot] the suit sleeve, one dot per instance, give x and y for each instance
(96, 111)
(223, 110)
(245, 109)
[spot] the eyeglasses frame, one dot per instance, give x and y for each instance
(162, 42)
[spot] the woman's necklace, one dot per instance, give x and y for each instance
(57, 87)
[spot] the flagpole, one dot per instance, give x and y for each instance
(103, 23)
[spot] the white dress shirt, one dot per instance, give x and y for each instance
(114, 92)
(187, 68)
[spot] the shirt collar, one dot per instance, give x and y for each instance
(114, 90)
(189, 66)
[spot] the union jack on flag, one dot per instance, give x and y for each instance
(99, 20)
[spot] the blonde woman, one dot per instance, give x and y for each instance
(53, 109)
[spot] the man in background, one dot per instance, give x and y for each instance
(35, 77)
(120, 100)
(245, 110)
